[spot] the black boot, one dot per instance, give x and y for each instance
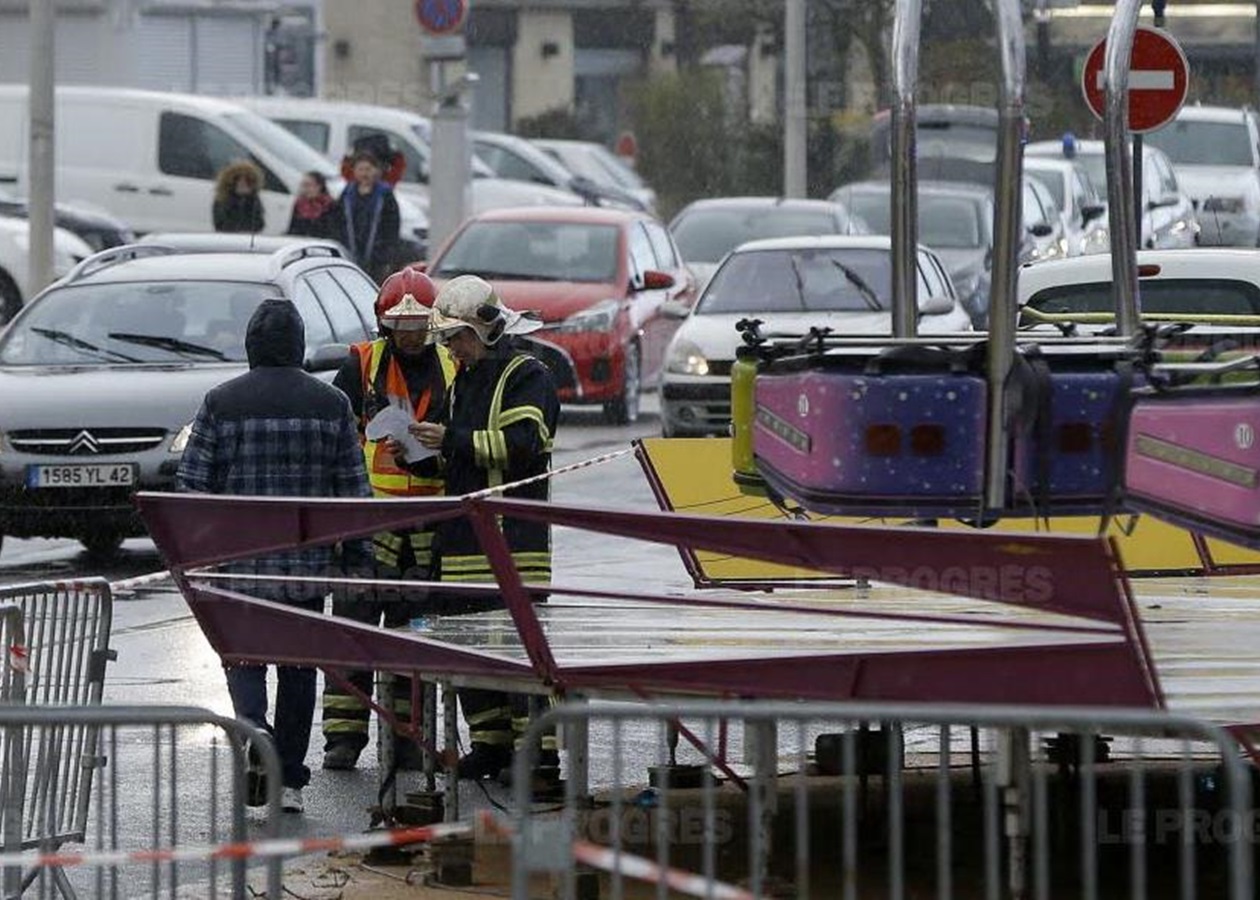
(341, 756)
(484, 761)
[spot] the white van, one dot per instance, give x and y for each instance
(151, 158)
(332, 128)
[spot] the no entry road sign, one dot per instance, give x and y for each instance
(1158, 79)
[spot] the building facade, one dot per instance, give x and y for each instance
(562, 56)
(221, 47)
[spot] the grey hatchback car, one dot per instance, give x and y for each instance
(102, 373)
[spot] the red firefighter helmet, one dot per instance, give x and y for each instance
(405, 300)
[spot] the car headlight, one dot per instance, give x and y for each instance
(181, 439)
(685, 358)
(1224, 204)
(600, 317)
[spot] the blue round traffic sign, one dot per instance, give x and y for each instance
(441, 16)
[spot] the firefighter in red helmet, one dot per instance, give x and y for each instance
(404, 369)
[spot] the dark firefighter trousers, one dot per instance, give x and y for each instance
(397, 555)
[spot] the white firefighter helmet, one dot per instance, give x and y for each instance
(470, 302)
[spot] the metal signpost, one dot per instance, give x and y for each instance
(1151, 80)
(450, 174)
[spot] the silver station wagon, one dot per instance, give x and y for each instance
(101, 375)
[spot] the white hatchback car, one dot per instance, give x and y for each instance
(792, 284)
(1209, 281)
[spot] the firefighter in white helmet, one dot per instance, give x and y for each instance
(499, 429)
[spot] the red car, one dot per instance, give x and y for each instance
(609, 284)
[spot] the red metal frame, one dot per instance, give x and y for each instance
(1104, 660)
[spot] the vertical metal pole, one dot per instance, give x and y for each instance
(450, 734)
(1007, 224)
(42, 185)
(450, 173)
(1013, 767)
(1139, 209)
(1119, 177)
(794, 98)
(905, 218)
(385, 749)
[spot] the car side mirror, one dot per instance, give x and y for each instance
(657, 281)
(327, 358)
(1091, 212)
(675, 309)
(1162, 201)
(1041, 229)
(936, 306)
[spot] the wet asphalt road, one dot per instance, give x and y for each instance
(163, 658)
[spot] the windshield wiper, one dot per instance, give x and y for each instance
(162, 342)
(867, 292)
(800, 281)
(69, 340)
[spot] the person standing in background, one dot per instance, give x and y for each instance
(237, 206)
(315, 213)
(370, 215)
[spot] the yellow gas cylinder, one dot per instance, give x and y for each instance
(743, 376)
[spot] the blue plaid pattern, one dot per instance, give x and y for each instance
(276, 457)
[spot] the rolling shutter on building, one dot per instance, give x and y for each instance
(229, 53)
(165, 47)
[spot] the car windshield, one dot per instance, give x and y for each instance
(533, 251)
(1204, 143)
(1095, 165)
(116, 324)
(1052, 179)
(706, 235)
(813, 280)
(1166, 295)
(282, 144)
(945, 223)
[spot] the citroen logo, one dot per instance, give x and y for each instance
(84, 443)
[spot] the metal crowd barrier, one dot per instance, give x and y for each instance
(61, 660)
(13, 655)
(1080, 803)
(171, 780)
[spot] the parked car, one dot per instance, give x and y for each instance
(15, 245)
(955, 221)
(1168, 217)
(332, 129)
(1216, 152)
(1208, 281)
(943, 131)
(151, 158)
(1043, 223)
(151, 324)
(233, 242)
(98, 229)
(707, 230)
(599, 278)
(1080, 208)
(792, 284)
(601, 165)
(516, 158)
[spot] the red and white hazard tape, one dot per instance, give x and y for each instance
(641, 869)
(19, 658)
(636, 867)
(131, 584)
(242, 850)
(551, 473)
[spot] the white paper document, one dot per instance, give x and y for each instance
(393, 422)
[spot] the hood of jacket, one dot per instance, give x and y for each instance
(276, 335)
